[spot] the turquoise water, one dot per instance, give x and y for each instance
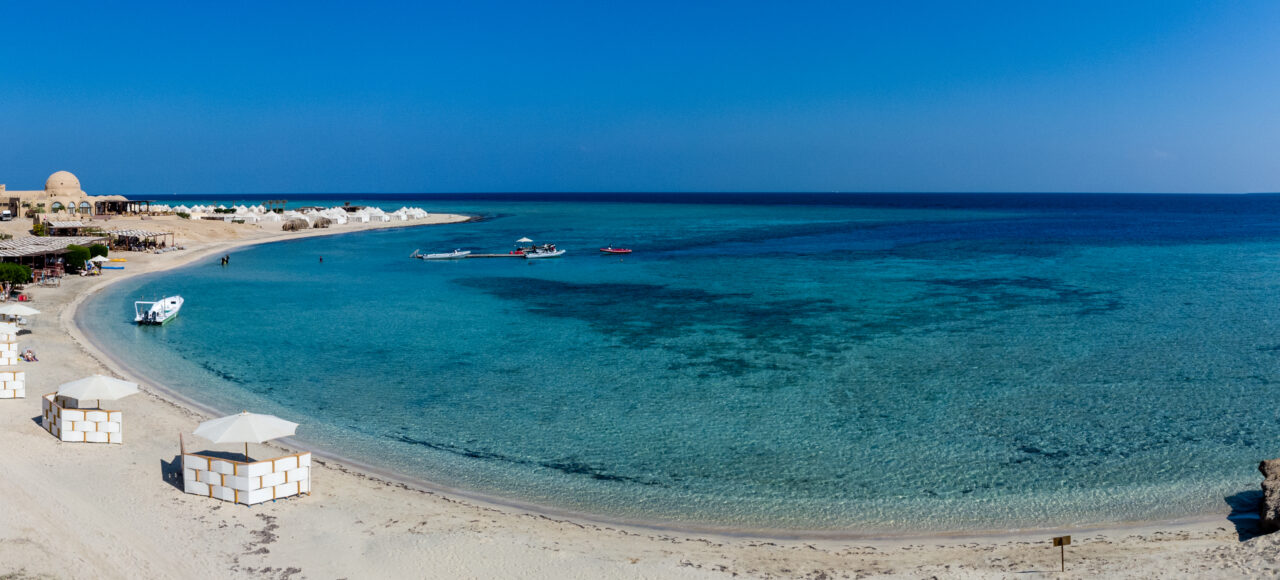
(861, 364)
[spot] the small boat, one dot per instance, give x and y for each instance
(157, 312)
(543, 254)
(613, 250)
(454, 255)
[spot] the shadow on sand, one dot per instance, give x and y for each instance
(1246, 513)
(171, 471)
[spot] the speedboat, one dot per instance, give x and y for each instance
(157, 312)
(543, 254)
(613, 250)
(454, 255)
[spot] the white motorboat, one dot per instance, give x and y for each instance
(454, 255)
(157, 312)
(543, 254)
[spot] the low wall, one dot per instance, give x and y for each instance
(62, 419)
(13, 383)
(8, 353)
(246, 483)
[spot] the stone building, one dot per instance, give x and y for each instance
(61, 197)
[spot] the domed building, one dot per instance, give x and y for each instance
(61, 197)
(62, 182)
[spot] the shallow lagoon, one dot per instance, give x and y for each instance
(860, 363)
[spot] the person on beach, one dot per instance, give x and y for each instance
(29, 356)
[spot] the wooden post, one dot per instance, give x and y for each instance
(1061, 542)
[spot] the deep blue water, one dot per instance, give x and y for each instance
(845, 362)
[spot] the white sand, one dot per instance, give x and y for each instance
(72, 510)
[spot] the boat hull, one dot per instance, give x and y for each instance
(542, 255)
(158, 312)
(448, 256)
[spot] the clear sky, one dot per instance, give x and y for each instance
(249, 97)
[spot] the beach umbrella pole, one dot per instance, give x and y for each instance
(246, 451)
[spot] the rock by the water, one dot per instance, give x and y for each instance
(1270, 495)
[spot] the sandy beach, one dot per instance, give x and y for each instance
(109, 511)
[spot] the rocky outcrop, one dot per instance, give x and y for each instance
(1270, 495)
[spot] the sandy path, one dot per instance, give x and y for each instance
(107, 511)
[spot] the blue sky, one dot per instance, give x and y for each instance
(240, 97)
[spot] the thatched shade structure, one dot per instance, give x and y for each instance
(295, 224)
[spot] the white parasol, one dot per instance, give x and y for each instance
(245, 427)
(17, 310)
(99, 388)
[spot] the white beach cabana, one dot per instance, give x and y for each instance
(245, 482)
(13, 380)
(65, 418)
(9, 351)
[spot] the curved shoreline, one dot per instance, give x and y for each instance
(69, 322)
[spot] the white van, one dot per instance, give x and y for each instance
(6, 215)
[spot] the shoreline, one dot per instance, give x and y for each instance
(61, 498)
(70, 322)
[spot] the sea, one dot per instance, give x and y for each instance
(869, 363)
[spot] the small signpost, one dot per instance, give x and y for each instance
(1061, 542)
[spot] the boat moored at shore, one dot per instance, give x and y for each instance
(157, 312)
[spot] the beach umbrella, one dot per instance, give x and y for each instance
(99, 259)
(246, 428)
(99, 388)
(17, 310)
(524, 241)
